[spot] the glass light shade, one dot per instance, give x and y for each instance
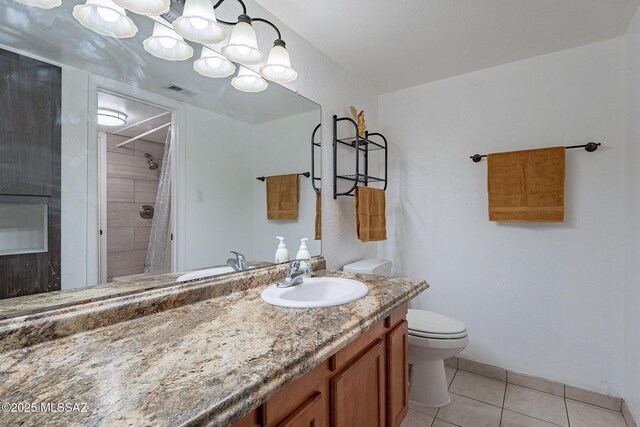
(278, 66)
(42, 4)
(198, 23)
(212, 64)
(249, 81)
(146, 7)
(106, 18)
(166, 44)
(109, 117)
(243, 45)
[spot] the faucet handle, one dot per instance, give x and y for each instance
(295, 266)
(238, 255)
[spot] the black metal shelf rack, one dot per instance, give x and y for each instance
(363, 145)
(315, 145)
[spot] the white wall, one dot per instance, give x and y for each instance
(217, 163)
(326, 83)
(632, 293)
(73, 219)
(282, 147)
(542, 299)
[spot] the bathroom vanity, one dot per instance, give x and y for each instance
(365, 383)
(212, 352)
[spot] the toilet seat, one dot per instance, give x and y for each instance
(427, 324)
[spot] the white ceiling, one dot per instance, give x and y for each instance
(56, 36)
(394, 44)
(136, 112)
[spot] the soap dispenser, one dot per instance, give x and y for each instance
(303, 254)
(282, 254)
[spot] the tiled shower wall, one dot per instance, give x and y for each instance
(130, 184)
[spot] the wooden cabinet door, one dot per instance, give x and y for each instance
(357, 392)
(309, 414)
(397, 374)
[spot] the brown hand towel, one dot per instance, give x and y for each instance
(282, 197)
(371, 220)
(527, 186)
(318, 216)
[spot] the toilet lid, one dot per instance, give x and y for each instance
(429, 323)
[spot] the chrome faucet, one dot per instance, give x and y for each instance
(295, 276)
(238, 263)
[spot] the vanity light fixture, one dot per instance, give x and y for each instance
(278, 66)
(165, 43)
(249, 81)
(106, 18)
(212, 64)
(198, 23)
(42, 4)
(146, 7)
(109, 117)
(243, 44)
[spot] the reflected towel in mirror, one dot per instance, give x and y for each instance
(282, 197)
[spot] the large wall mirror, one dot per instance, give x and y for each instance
(121, 171)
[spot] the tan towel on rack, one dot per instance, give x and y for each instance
(527, 186)
(371, 220)
(318, 234)
(282, 197)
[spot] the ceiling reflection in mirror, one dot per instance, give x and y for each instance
(121, 171)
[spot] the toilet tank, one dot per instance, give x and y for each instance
(378, 267)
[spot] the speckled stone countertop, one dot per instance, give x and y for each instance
(207, 362)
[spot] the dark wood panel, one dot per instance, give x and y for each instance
(397, 374)
(29, 115)
(30, 143)
(357, 392)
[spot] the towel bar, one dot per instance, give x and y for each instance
(590, 147)
(305, 174)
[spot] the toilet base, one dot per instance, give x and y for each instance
(428, 383)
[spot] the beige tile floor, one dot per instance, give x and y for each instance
(478, 401)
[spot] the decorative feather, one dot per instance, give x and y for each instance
(359, 118)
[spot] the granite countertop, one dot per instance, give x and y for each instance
(204, 363)
(47, 301)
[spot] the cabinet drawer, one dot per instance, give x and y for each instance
(309, 414)
(286, 401)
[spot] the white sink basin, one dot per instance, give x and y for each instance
(316, 292)
(209, 272)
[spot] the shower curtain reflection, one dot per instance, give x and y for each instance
(159, 252)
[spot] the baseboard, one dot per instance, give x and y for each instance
(628, 416)
(613, 403)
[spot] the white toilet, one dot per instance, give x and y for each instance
(433, 337)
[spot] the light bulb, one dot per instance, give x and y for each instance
(167, 42)
(108, 15)
(214, 62)
(198, 23)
